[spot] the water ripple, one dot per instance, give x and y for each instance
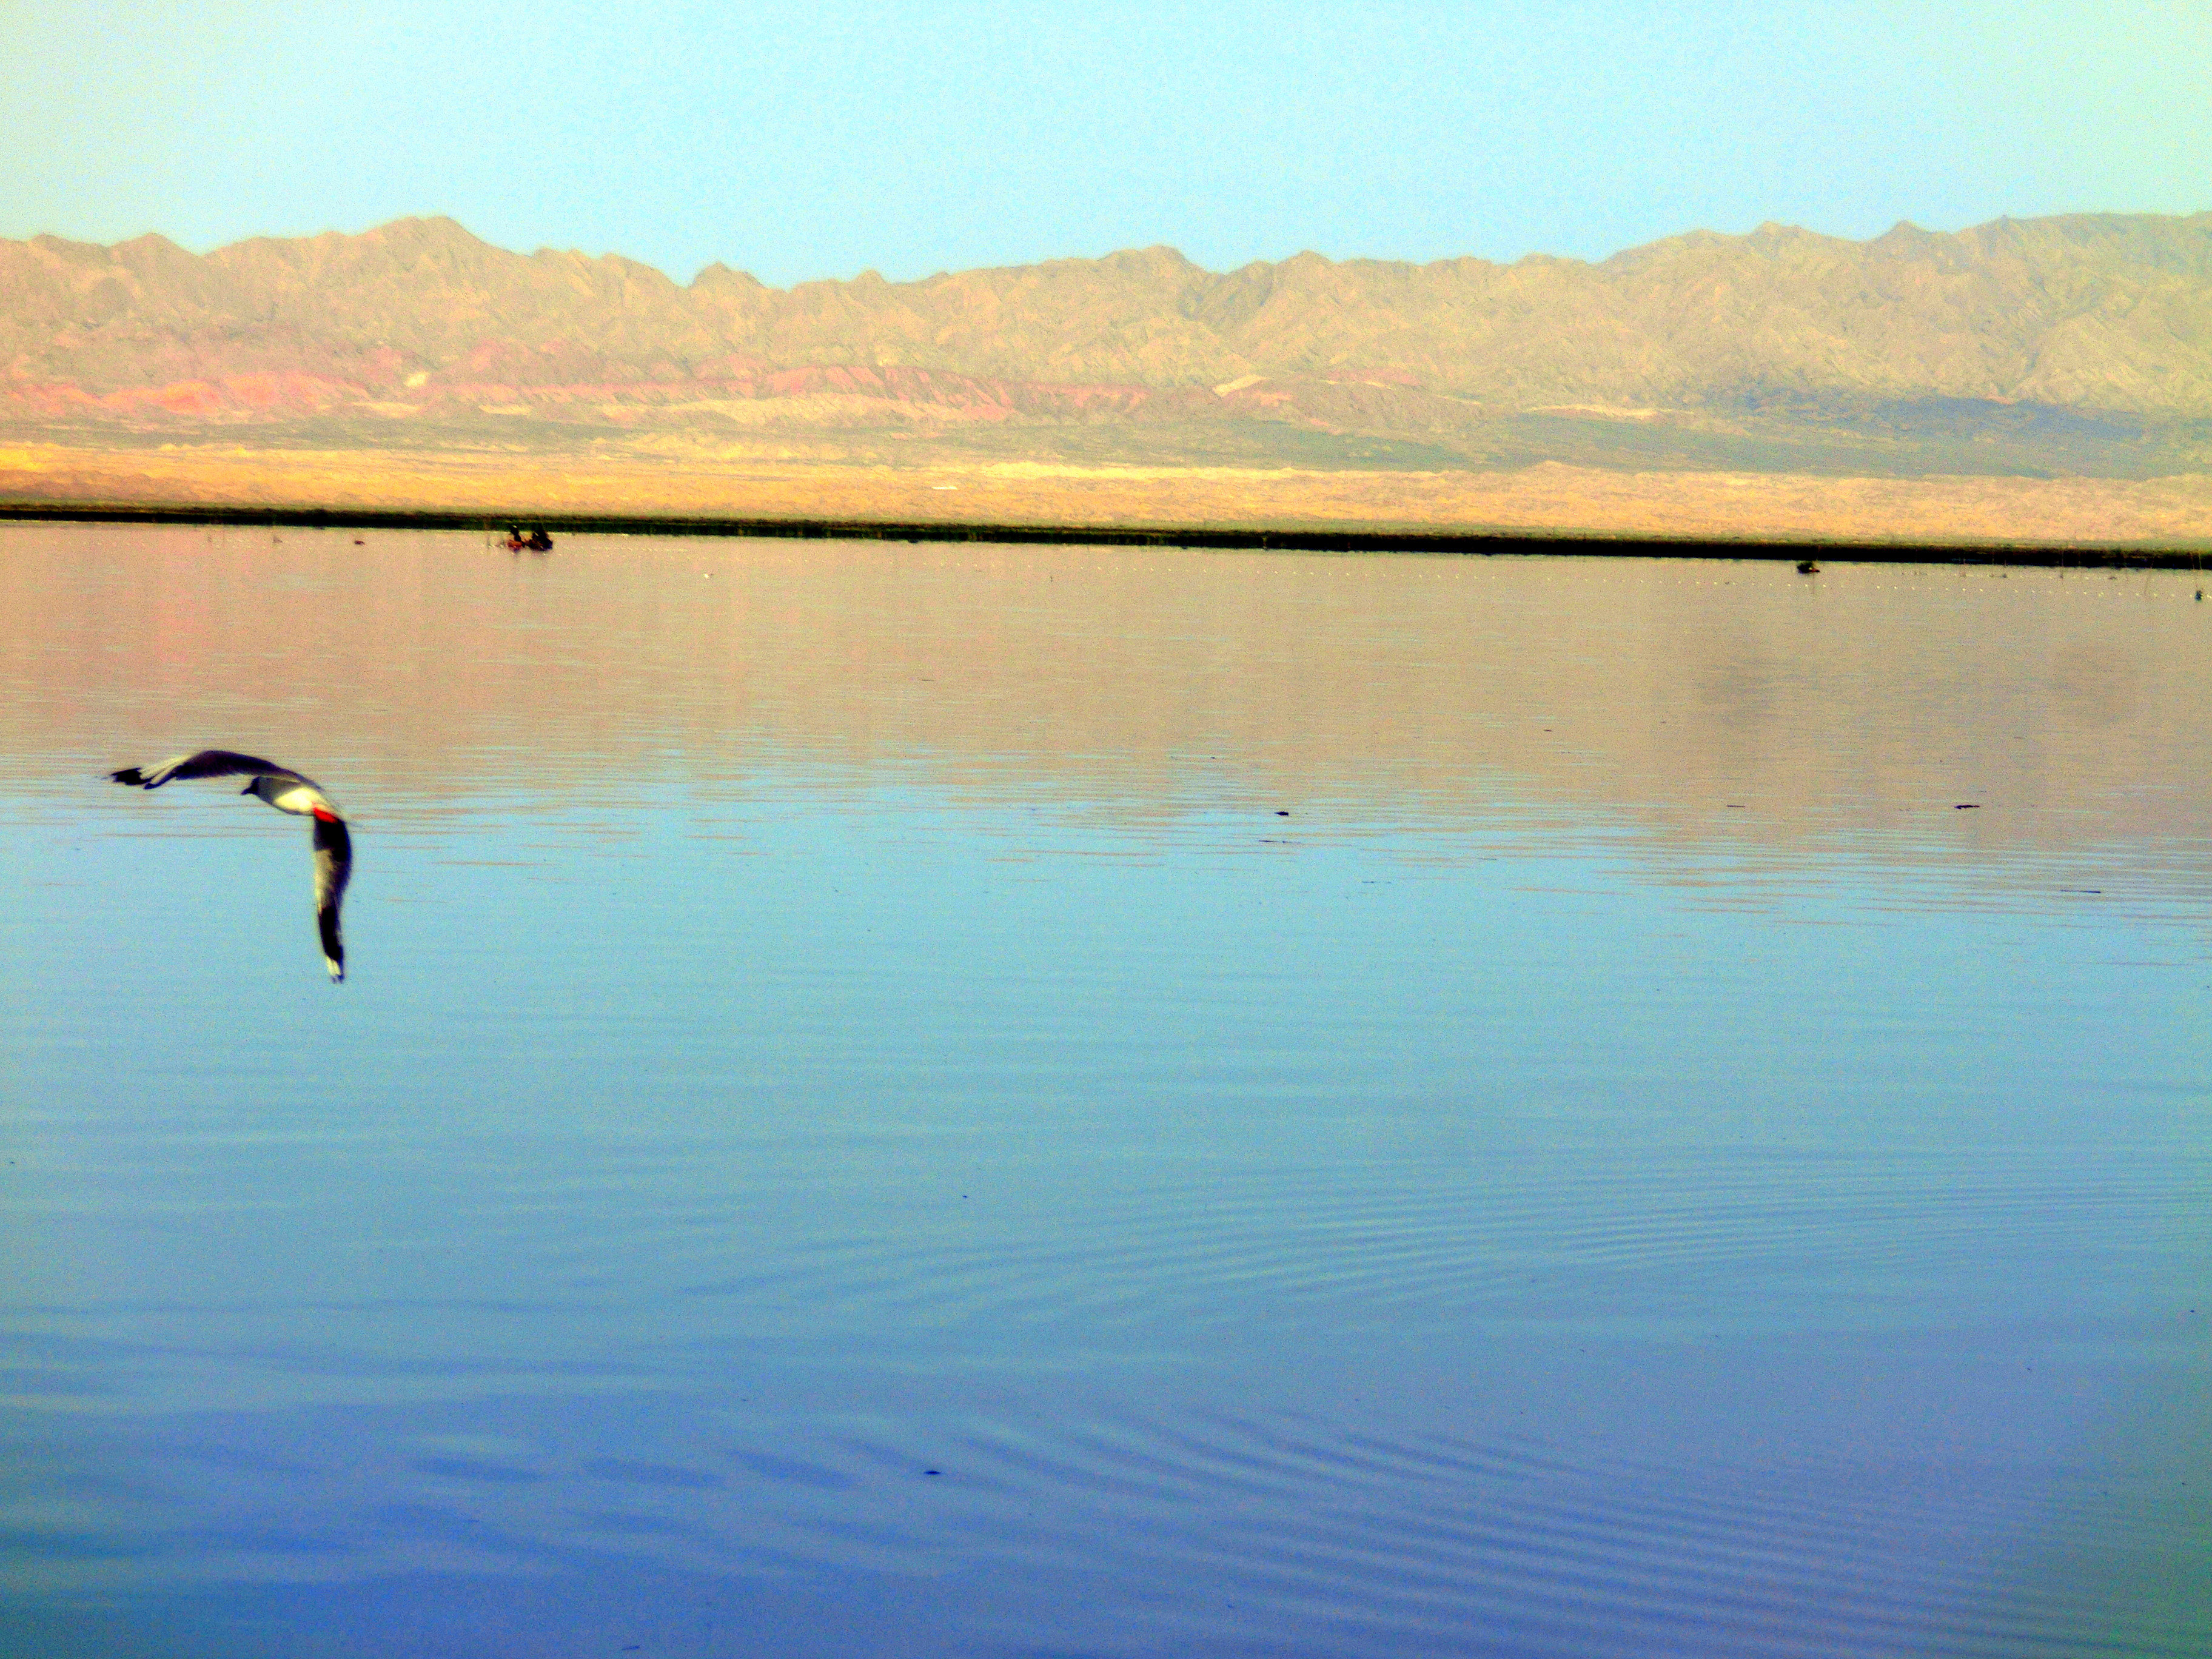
(1673, 1240)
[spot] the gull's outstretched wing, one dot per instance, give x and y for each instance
(333, 869)
(208, 763)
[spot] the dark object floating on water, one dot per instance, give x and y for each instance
(1966, 806)
(358, 542)
(932, 1471)
(1280, 813)
(536, 542)
(1809, 567)
(288, 791)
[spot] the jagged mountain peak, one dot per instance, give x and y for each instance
(2101, 312)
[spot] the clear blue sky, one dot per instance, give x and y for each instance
(804, 138)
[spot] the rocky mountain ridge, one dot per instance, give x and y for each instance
(419, 322)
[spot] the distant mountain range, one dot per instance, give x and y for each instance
(2081, 342)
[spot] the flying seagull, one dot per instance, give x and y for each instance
(288, 791)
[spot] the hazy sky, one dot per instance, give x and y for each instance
(802, 138)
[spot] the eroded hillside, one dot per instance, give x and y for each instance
(2078, 344)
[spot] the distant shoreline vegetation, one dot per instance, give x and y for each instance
(1478, 543)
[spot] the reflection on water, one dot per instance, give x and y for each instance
(858, 1126)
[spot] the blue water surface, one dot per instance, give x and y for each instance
(1073, 1103)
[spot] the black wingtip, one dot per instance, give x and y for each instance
(129, 774)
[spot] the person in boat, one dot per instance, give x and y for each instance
(515, 542)
(539, 542)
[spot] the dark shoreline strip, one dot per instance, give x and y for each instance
(1583, 543)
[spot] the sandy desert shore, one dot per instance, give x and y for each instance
(2158, 512)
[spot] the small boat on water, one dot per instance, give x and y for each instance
(536, 542)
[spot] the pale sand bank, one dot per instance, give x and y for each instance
(1547, 497)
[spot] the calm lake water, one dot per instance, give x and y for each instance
(857, 1126)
